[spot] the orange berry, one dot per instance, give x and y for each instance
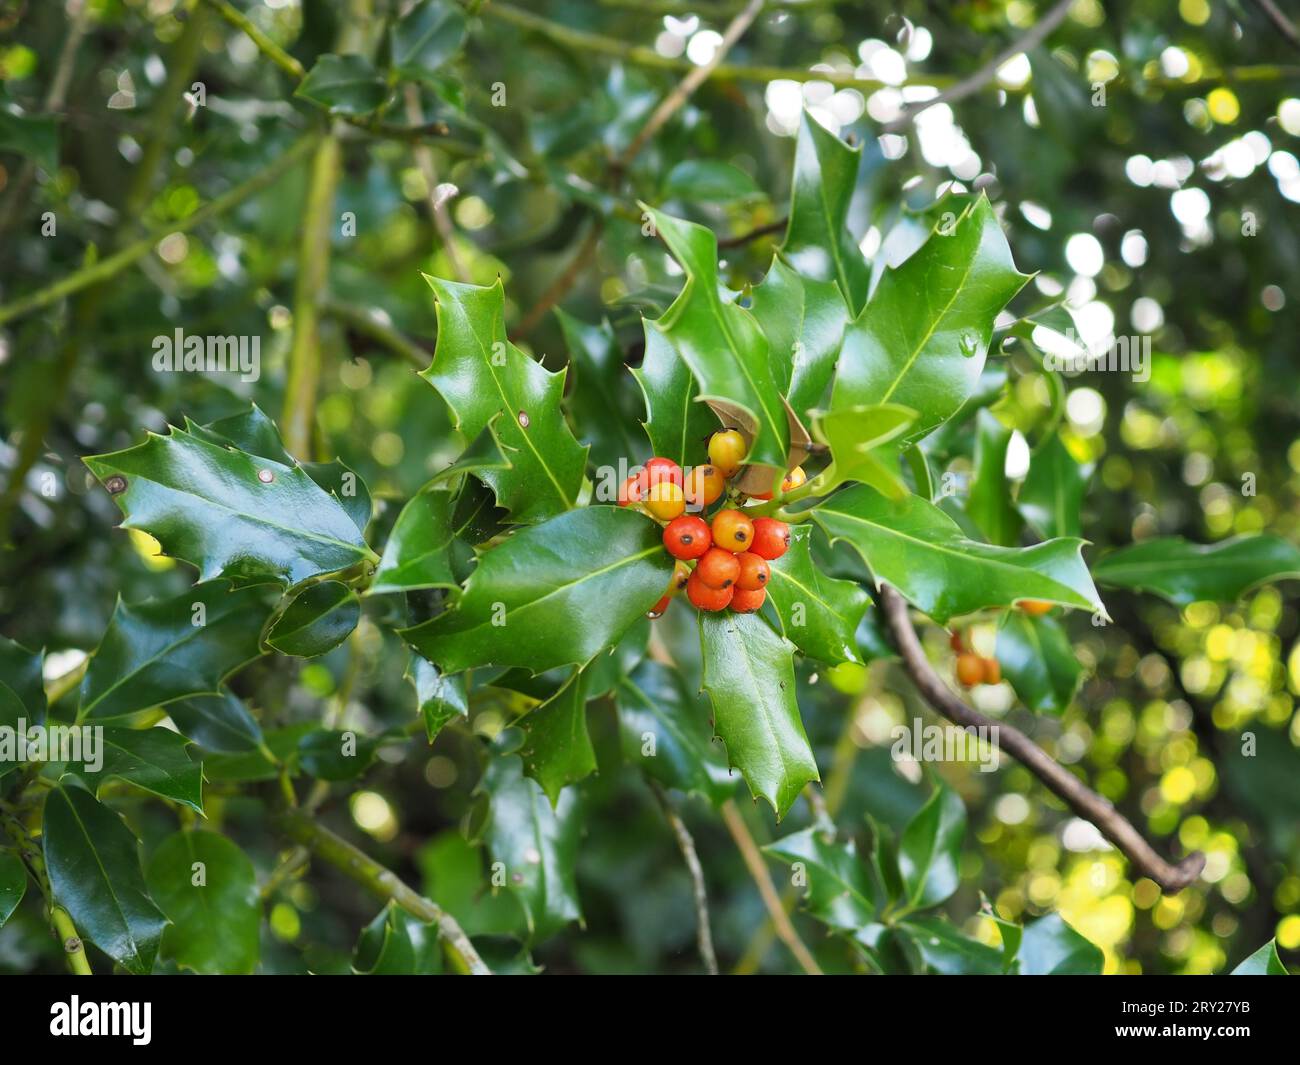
(754, 572)
(704, 486)
(732, 530)
(746, 602)
(793, 479)
(771, 538)
(1035, 606)
(659, 469)
(992, 671)
(687, 537)
(970, 669)
(727, 451)
(718, 568)
(632, 490)
(706, 598)
(657, 611)
(665, 500)
(681, 574)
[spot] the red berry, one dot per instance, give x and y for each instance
(718, 568)
(746, 602)
(659, 470)
(732, 530)
(754, 572)
(687, 537)
(632, 490)
(659, 607)
(955, 641)
(771, 538)
(704, 597)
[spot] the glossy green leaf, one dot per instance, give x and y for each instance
(859, 440)
(918, 549)
(1183, 572)
(218, 722)
(557, 748)
(929, 850)
(336, 754)
(344, 84)
(1264, 962)
(665, 731)
(817, 242)
(483, 377)
(923, 339)
(93, 861)
(155, 759)
(1051, 499)
(22, 688)
(949, 953)
(676, 422)
(207, 887)
(1050, 947)
(167, 649)
(840, 892)
(246, 517)
(602, 398)
(721, 342)
(536, 844)
(749, 675)
(1037, 658)
(709, 181)
(13, 885)
(397, 944)
(552, 595)
(818, 614)
(989, 504)
(426, 38)
(804, 322)
(319, 619)
(440, 699)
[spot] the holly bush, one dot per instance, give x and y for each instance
(668, 416)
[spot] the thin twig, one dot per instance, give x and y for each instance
(1284, 25)
(972, 83)
(686, 844)
(265, 45)
(367, 322)
(560, 287)
(758, 871)
(437, 204)
(1077, 795)
(383, 882)
(754, 234)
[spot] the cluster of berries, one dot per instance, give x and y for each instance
(972, 669)
(730, 552)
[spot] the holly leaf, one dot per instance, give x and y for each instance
(93, 862)
(1264, 962)
(552, 595)
(853, 435)
(343, 84)
(154, 759)
(923, 339)
(166, 649)
(749, 675)
(218, 722)
(557, 750)
(483, 377)
(336, 754)
(1184, 573)
(440, 699)
(840, 893)
(601, 400)
(817, 241)
(248, 518)
(818, 614)
(397, 944)
(1050, 947)
(207, 887)
(916, 547)
(721, 342)
(426, 38)
(318, 620)
(989, 505)
(709, 181)
(665, 731)
(1051, 498)
(676, 422)
(13, 885)
(930, 849)
(22, 686)
(537, 845)
(1037, 658)
(947, 951)
(804, 322)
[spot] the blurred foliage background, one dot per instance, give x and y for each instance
(1145, 164)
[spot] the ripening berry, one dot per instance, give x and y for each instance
(1035, 606)
(665, 500)
(732, 530)
(687, 537)
(992, 671)
(744, 602)
(718, 568)
(754, 572)
(955, 641)
(706, 598)
(632, 490)
(793, 479)
(681, 574)
(771, 538)
(658, 470)
(704, 486)
(657, 611)
(970, 669)
(727, 451)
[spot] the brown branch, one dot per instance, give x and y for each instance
(976, 81)
(1284, 25)
(686, 844)
(753, 234)
(1077, 795)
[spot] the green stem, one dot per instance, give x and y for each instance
(71, 942)
(265, 45)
